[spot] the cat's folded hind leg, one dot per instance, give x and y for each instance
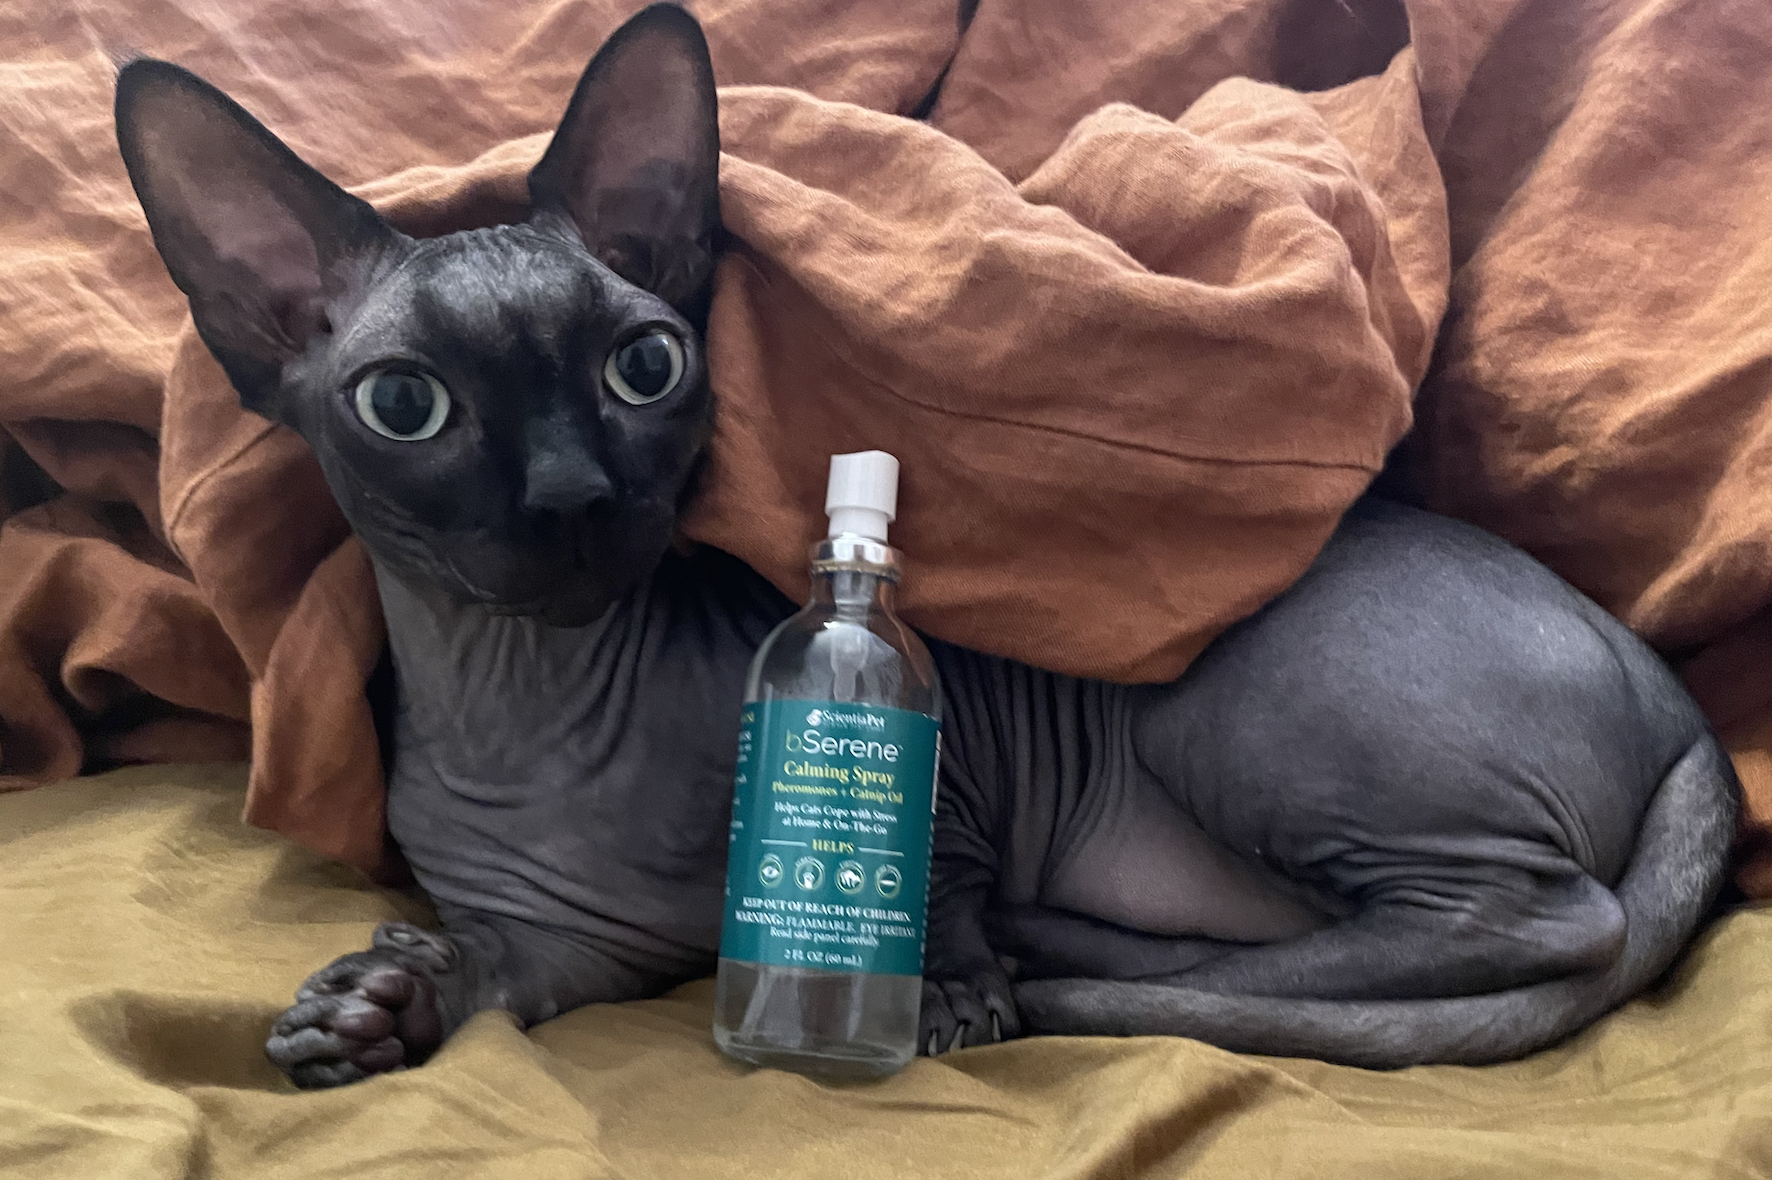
(1668, 887)
(1046, 943)
(1465, 967)
(1461, 928)
(1481, 929)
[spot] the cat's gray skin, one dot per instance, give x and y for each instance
(1429, 805)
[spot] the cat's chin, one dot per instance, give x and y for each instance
(570, 599)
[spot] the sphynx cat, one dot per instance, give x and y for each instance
(1429, 805)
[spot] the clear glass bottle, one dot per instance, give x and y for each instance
(821, 955)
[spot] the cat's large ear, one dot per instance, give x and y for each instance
(258, 240)
(635, 164)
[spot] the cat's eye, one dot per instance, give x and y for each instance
(402, 405)
(645, 368)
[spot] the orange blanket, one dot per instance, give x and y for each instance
(1139, 327)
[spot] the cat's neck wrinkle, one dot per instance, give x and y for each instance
(470, 679)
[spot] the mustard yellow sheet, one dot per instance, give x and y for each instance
(147, 938)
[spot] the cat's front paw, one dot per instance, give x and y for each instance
(366, 1013)
(975, 1009)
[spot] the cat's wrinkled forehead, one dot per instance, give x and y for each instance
(508, 283)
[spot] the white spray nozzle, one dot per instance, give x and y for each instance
(863, 494)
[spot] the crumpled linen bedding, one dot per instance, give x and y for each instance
(1143, 295)
(150, 938)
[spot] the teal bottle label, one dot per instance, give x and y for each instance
(832, 810)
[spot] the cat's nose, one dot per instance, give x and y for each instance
(564, 479)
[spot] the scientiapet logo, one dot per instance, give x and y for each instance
(834, 717)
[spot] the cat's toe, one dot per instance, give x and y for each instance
(330, 1040)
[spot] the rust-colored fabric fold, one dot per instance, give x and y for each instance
(1142, 305)
(1601, 393)
(1131, 394)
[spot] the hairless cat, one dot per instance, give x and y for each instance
(1429, 805)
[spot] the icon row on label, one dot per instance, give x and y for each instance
(851, 877)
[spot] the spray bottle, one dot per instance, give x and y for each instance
(821, 951)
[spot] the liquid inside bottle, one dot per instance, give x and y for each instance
(821, 952)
